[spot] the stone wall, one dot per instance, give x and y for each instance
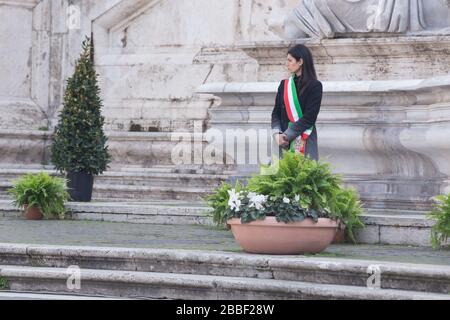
(150, 56)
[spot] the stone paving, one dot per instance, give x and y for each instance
(110, 234)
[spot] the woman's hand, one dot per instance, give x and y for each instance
(282, 140)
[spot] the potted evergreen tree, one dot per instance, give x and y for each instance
(79, 148)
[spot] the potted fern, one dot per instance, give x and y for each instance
(79, 146)
(294, 206)
(440, 232)
(41, 195)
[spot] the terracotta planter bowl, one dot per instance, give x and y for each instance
(33, 213)
(271, 237)
(340, 235)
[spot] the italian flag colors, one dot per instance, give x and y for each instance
(294, 112)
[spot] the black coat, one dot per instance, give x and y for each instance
(310, 99)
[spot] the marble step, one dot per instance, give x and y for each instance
(154, 285)
(159, 176)
(395, 227)
(144, 149)
(150, 184)
(154, 212)
(318, 270)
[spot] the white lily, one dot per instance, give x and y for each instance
(297, 198)
(286, 200)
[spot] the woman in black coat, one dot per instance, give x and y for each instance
(294, 123)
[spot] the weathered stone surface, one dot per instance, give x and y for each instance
(183, 150)
(38, 267)
(24, 147)
(393, 228)
(385, 58)
(325, 19)
(402, 235)
(369, 235)
(160, 285)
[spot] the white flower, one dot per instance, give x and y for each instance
(286, 200)
(251, 195)
(234, 202)
(297, 198)
(236, 205)
(257, 200)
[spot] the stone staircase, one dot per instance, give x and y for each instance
(140, 184)
(382, 227)
(173, 195)
(189, 274)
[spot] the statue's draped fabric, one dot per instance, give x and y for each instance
(325, 18)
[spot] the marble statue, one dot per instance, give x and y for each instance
(326, 18)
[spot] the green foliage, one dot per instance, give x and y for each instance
(297, 188)
(346, 207)
(441, 214)
(293, 211)
(4, 285)
(218, 201)
(41, 190)
(298, 175)
(79, 143)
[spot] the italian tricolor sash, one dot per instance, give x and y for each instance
(294, 112)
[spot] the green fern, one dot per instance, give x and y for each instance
(441, 214)
(346, 207)
(299, 175)
(41, 190)
(4, 285)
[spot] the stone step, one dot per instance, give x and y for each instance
(144, 149)
(331, 271)
(153, 183)
(154, 212)
(394, 227)
(12, 295)
(119, 193)
(161, 179)
(154, 285)
(112, 192)
(160, 176)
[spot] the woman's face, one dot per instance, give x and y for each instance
(293, 65)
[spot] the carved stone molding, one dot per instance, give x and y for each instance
(392, 58)
(388, 138)
(20, 3)
(20, 109)
(116, 18)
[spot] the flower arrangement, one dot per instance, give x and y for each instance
(298, 188)
(250, 206)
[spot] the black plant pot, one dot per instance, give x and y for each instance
(80, 186)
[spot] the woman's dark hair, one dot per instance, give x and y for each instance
(298, 52)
